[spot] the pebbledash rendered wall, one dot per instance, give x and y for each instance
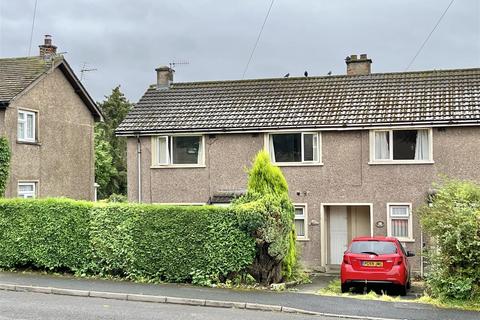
(345, 176)
(62, 162)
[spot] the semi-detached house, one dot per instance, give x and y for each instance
(48, 118)
(359, 151)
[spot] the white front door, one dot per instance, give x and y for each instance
(338, 233)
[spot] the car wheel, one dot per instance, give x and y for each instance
(403, 289)
(345, 287)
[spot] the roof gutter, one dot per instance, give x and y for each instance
(341, 127)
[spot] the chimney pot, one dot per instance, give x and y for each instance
(164, 77)
(358, 67)
(47, 49)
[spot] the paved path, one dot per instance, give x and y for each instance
(334, 305)
(27, 305)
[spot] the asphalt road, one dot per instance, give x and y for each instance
(333, 305)
(26, 305)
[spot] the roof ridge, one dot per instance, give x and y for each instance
(343, 76)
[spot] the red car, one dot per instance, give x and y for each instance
(376, 260)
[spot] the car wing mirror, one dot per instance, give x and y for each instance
(410, 254)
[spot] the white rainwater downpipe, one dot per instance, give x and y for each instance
(139, 168)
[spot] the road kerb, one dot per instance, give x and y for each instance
(225, 304)
(176, 300)
(47, 290)
(146, 298)
(108, 295)
(191, 302)
(6, 286)
(71, 292)
(263, 307)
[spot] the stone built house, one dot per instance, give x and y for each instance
(359, 151)
(48, 118)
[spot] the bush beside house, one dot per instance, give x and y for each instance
(453, 221)
(267, 213)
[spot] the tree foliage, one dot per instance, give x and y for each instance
(5, 156)
(453, 221)
(267, 212)
(107, 145)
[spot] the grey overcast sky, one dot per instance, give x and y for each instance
(125, 40)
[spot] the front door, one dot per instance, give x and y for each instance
(338, 233)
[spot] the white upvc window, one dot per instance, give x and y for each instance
(26, 126)
(400, 224)
(27, 190)
(401, 146)
(294, 147)
(178, 150)
(301, 227)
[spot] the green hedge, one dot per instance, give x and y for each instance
(150, 242)
(49, 233)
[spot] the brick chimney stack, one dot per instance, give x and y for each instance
(358, 66)
(164, 77)
(47, 48)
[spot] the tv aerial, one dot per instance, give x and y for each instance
(174, 63)
(85, 69)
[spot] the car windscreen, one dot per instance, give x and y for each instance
(373, 247)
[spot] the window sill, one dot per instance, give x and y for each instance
(178, 166)
(34, 143)
(297, 164)
(302, 239)
(401, 162)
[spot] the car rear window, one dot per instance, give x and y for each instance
(378, 247)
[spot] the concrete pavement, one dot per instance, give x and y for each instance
(310, 302)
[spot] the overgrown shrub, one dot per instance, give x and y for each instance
(5, 155)
(453, 221)
(149, 242)
(267, 213)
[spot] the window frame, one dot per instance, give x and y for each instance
(304, 206)
(302, 155)
(410, 221)
(26, 113)
(401, 161)
(154, 152)
(27, 183)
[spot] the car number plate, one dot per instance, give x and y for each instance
(372, 263)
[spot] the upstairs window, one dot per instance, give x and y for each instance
(402, 145)
(294, 147)
(26, 190)
(178, 150)
(26, 126)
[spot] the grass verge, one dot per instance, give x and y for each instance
(333, 289)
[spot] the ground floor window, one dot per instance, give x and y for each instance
(400, 221)
(27, 190)
(300, 221)
(178, 150)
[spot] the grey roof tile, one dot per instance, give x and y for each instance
(448, 96)
(16, 74)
